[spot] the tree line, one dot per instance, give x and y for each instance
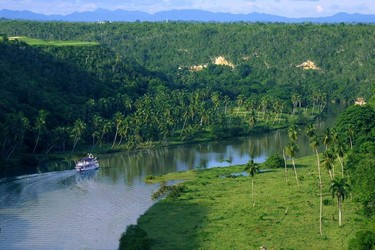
(137, 86)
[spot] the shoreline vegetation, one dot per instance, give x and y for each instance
(213, 209)
(84, 87)
(142, 85)
(206, 135)
(224, 208)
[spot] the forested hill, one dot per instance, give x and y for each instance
(262, 54)
(62, 79)
(133, 83)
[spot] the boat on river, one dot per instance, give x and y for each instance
(88, 163)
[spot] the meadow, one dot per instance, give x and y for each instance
(41, 42)
(215, 211)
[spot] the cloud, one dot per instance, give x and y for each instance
(319, 8)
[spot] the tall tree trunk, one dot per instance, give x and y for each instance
(286, 169)
(330, 174)
(340, 212)
(115, 139)
(320, 193)
(295, 171)
(252, 191)
(75, 141)
(342, 166)
(36, 143)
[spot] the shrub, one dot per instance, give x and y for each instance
(173, 192)
(274, 161)
(364, 240)
(150, 177)
(134, 238)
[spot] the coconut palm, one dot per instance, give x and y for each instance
(40, 125)
(339, 188)
(293, 133)
(118, 119)
(291, 150)
(310, 130)
(226, 102)
(240, 101)
(327, 137)
(77, 131)
(351, 134)
(339, 149)
(328, 163)
(314, 143)
(286, 168)
(252, 169)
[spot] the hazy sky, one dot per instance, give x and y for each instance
(288, 8)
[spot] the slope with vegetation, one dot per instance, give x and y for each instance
(329, 205)
(215, 211)
(135, 88)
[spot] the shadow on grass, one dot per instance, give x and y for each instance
(173, 224)
(298, 166)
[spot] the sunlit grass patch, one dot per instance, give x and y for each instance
(216, 212)
(41, 42)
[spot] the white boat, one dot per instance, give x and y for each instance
(88, 163)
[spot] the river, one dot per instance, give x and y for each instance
(67, 210)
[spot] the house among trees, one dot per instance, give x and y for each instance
(360, 101)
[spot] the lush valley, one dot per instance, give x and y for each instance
(127, 85)
(329, 205)
(71, 87)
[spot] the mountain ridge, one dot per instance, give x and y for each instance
(102, 15)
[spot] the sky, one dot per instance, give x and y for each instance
(286, 8)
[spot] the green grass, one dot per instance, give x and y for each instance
(41, 42)
(217, 212)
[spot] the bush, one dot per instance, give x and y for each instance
(173, 192)
(134, 238)
(274, 161)
(364, 240)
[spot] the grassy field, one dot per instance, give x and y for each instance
(216, 212)
(41, 42)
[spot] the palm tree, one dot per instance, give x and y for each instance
(252, 119)
(118, 119)
(314, 143)
(293, 133)
(294, 102)
(339, 188)
(310, 130)
(240, 101)
(339, 150)
(226, 103)
(40, 125)
(77, 132)
(327, 137)
(351, 135)
(252, 169)
(328, 163)
(291, 150)
(96, 123)
(286, 168)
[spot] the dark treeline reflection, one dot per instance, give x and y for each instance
(130, 166)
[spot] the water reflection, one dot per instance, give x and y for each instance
(136, 165)
(68, 210)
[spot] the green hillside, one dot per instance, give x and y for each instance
(215, 211)
(262, 54)
(132, 85)
(41, 42)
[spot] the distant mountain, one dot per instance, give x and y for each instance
(180, 15)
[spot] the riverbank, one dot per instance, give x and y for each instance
(215, 212)
(65, 160)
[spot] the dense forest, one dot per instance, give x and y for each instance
(166, 82)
